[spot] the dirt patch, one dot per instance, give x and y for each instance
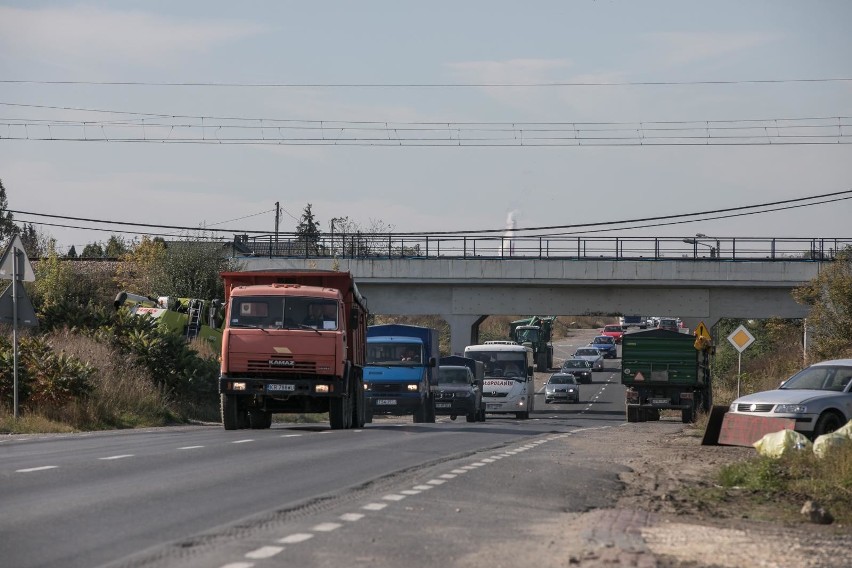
(679, 516)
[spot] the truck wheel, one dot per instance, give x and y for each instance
(522, 415)
(828, 422)
(230, 412)
(550, 357)
(419, 415)
(340, 413)
(360, 407)
(430, 411)
(632, 412)
(482, 413)
(259, 419)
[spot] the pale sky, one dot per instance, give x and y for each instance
(395, 72)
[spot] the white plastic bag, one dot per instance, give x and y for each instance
(778, 444)
(826, 443)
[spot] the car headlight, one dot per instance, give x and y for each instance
(791, 408)
(570, 390)
(412, 388)
(733, 407)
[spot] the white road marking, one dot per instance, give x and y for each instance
(190, 447)
(241, 441)
(422, 487)
(393, 497)
(351, 517)
(327, 527)
(264, 552)
(488, 460)
(42, 468)
(295, 538)
(290, 435)
(448, 476)
(239, 565)
(375, 506)
(437, 481)
(411, 492)
(458, 471)
(117, 457)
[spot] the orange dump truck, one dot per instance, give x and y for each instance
(294, 342)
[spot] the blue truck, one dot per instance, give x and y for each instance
(401, 370)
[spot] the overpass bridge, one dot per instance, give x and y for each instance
(465, 289)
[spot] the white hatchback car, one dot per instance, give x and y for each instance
(818, 397)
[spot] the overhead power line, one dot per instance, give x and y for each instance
(429, 85)
(662, 219)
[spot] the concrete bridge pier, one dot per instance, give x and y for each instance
(464, 331)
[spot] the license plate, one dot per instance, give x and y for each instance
(280, 387)
(386, 402)
(660, 401)
(492, 405)
(443, 404)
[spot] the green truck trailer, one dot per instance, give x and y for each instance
(665, 369)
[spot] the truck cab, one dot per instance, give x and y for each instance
(400, 371)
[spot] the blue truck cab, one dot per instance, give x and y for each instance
(401, 370)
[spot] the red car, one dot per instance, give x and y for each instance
(615, 331)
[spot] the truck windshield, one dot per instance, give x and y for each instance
(528, 335)
(292, 312)
(394, 353)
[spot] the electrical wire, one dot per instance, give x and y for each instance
(428, 85)
(799, 201)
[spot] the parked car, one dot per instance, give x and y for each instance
(458, 393)
(561, 387)
(606, 345)
(818, 397)
(613, 330)
(580, 368)
(591, 355)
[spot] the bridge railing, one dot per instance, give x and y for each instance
(390, 246)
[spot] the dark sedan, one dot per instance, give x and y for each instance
(580, 368)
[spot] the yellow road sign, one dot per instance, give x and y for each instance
(702, 331)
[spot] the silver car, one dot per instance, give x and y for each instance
(561, 387)
(592, 355)
(819, 398)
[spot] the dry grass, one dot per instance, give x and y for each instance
(123, 396)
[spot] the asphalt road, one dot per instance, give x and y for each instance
(203, 496)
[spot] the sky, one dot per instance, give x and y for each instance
(425, 116)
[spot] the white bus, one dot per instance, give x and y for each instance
(508, 386)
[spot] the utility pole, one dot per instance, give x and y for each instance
(277, 218)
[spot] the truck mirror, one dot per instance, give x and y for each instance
(432, 362)
(530, 371)
(353, 318)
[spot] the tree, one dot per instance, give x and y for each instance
(8, 229)
(35, 243)
(190, 268)
(115, 247)
(72, 252)
(829, 296)
(141, 266)
(92, 250)
(308, 231)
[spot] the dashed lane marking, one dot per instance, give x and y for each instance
(374, 506)
(351, 517)
(190, 447)
(117, 457)
(41, 468)
(264, 552)
(241, 441)
(393, 497)
(295, 538)
(327, 527)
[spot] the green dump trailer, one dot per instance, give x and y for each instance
(665, 369)
(535, 332)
